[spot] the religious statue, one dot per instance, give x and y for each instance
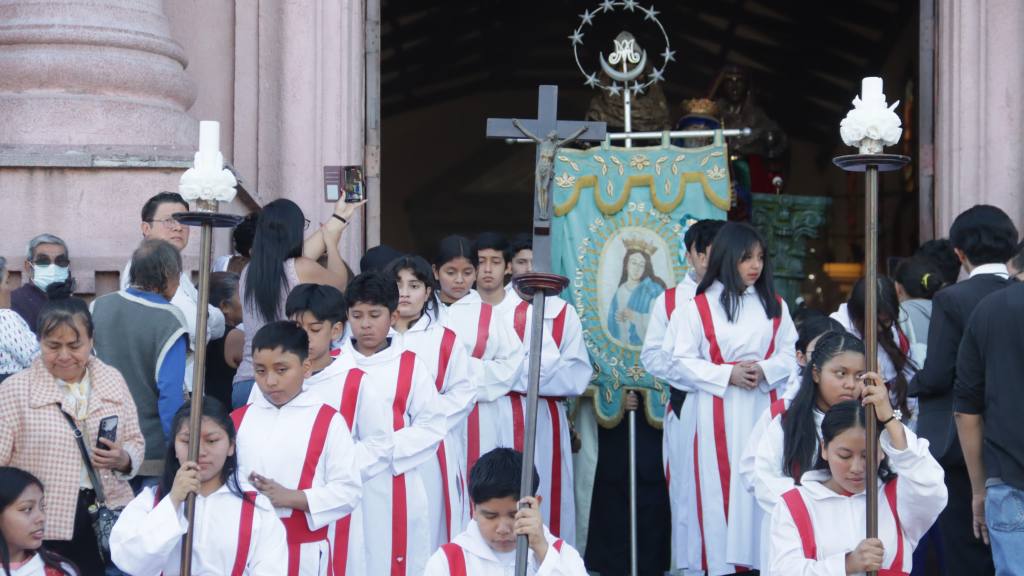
(545, 171)
(755, 158)
(698, 114)
(639, 285)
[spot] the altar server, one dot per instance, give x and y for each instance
(735, 345)
(818, 528)
(495, 352)
(784, 441)
(236, 530)
(565, 373)
(396, 518)
(336, 381)
(487, 547)
(440, 350)
(296, 450)
(807, 334)
(656, 357)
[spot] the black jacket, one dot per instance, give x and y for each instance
(933, 383)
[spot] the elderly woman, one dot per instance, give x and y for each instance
(36, 436)
(18, 346)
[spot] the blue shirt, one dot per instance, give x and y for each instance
(170, 375)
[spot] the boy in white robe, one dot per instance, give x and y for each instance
(565, 372)
(336, 381)
(656, 357)
(295, 449)
(487, 547)
(395, 514)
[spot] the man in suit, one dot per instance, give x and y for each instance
(984, 238)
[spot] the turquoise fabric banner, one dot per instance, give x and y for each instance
(617, 234)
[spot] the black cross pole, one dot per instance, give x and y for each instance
(549, 133)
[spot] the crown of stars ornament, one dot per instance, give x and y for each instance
(625, 65)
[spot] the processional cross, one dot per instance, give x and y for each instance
(541, 283)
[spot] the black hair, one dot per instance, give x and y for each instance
(65, 312)
(920, 277)
(453, 247)
(13, 483)
(498, 474)
(888, 305)
(842, 417)
(153, 204)
(283, 334)
(492, 241)
(702, 234)
(377, 258)
(223, 287)
(1018, 258)
(218, 413)
(985, 234)
(804, 313)
(734, 243)
(518, 243)
(420, 269)
(154, 263)
(373, 288)
(800, 438)
(325, 303)
(940, 252)
(278, 238)
(811, 328)
(244, 234)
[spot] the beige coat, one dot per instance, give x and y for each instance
(34, 436)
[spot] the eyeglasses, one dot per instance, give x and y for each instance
(305, 224)
(168, 223)
(44, 260)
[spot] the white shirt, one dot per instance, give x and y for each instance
(35, 567)
(656, 354)
(997, 269)
(565, 368)
(482, 560)
(18, 345)
(146, 541)
(838, 520)
(497, 369)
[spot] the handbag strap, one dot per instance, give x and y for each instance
(97, 486)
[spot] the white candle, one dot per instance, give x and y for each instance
(871, 89)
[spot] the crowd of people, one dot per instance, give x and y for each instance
(373, 423)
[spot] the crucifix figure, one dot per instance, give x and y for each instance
(557, 133)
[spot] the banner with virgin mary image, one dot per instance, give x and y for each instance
(617, 234)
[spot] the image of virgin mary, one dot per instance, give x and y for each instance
(630, 308)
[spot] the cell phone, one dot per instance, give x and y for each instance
(108, 430)
(355, 190)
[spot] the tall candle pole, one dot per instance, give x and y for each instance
(870, 126)
(207, 183)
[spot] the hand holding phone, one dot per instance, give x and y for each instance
(108, 430)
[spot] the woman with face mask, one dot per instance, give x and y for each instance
(18, 346)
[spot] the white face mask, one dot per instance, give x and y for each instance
(43, 276)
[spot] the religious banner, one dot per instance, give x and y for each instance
(617, 234)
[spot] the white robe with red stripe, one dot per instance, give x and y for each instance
(444, 477)
(344, 387)
(834, 524)
(395, 515)
(495, 359)
(565, 373)
(723, 528)
(676, 454)
(470, 555)
(146, 541)
(280, 443)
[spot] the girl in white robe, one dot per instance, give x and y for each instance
(22, 522)
(445, 356)
(818, 528)
(735, 345)
(236, 532)
(565, 373)
(495, 354)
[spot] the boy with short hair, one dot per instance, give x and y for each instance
(295, 449)
(337, 382)
(395, 513)
(487, 546)
(492, 267)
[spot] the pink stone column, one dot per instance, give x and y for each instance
(979, 125)
(101, 73)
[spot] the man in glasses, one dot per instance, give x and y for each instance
(46, 268)
(158, 223)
